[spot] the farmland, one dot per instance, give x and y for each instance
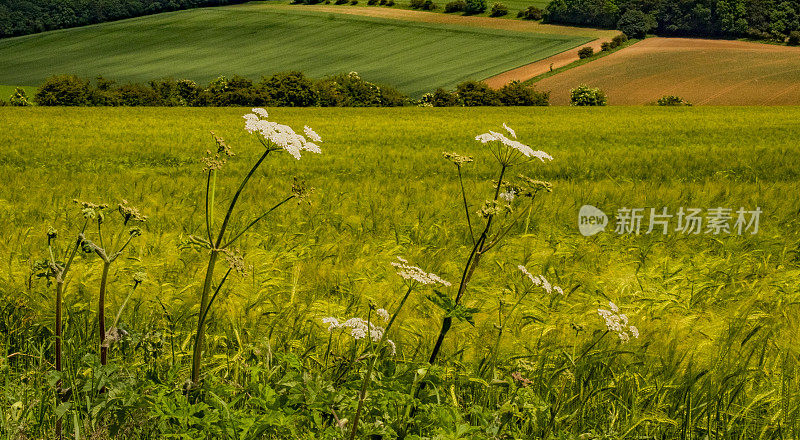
(718, 347)
(704, 72)
(255, 40)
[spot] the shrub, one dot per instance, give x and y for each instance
(428, 5)
(63, 90)
(187, 91)
(290, 89)
(672, 101)
(416, 4)
(455, 6)
(3, 103)
(530, 13)
(519, 94)
(585, 52)
(475, 6)
(794, 38)
(606, 46)
(635, 23)
(618, 40)
(587, 96)
(498, 10)
(342, 2)
(354, 2)
(137, 95)
(390, 3)
(443, 98)
(475, 93)
(372, 2)
(19, 98)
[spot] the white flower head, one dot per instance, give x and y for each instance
(510, 151)
(383, 314)
(510, 130)
(618, 323)
(415, 274)
(312, 134)
(334, 323)
(541, 281)
(279, 135)
(508, 196)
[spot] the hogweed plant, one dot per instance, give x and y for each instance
(104, 248)
(499, 209)
(274, 137)
(413, 277)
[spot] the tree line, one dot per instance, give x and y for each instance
(760, 19)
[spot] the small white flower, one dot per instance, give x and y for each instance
(414, 273)
(391, 344)
(508, 196)
(634, 331)
(312, 134)
(510, 131)
(280, 135)
(260, 112)
(383, 314)
(334, 323)
(618, 323)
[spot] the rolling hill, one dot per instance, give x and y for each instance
(257, 39)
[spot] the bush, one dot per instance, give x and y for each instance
(530, 13)
(137, 95)
(19, 98)
(672, 101)
(289, 89)
(519, 94)
(475, 93)
(587, 96)
(66, 90)
(390, 3)
(416, 4)
(606, 46)
(341, 2)
(498, 10)
(3, 103)
(618, 40)
(794, 38)
(353, 2)
(372, 2)
(585, 52)
(455, 6)
(635, 23)
(428, 5)
(475, 6)
(443, 98)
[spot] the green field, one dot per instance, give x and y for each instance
(254, 40)
(718, 315)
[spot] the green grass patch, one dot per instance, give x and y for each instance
(202, 44)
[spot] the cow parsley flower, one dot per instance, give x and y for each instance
(510, 130)
(618, 323)
(510, 151)
(540, 281)
(383, 314)
(361, 329)
(508, 196)
(415, 274)
(279, 135)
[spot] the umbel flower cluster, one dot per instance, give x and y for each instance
(360, 329)
(618, 323)
(281, 135)
(415, 274)
(541, 281)
(510, 151)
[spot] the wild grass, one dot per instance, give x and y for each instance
(718, 316)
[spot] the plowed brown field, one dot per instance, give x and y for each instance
(703, 72)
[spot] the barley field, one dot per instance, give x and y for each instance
(707, 347)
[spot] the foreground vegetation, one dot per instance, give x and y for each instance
(717, 315)
(256, 40)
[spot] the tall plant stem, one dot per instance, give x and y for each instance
(197, 351)
(101, 313)
(363, 392)
(466, 205)
(199, 336)
(469, 269)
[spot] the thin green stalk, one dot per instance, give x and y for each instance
(101, 313)
(466, 205)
